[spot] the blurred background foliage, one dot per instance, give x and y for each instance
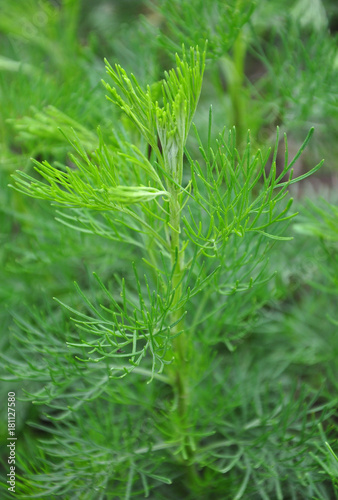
(268, 63)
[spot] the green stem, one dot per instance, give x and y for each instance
(181, 347)
(237, 89)
(234, 73)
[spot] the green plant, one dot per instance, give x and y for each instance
(199, 231)
(265, 59)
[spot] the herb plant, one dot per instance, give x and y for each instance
(179, 364)
(203, 238)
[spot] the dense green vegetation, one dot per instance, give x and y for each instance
(169, 264)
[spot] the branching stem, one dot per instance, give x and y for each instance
(181, 347)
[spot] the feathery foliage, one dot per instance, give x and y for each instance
(192, 357)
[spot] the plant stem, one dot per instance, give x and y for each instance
(234, 73)
(181, 347)
(237, 87)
